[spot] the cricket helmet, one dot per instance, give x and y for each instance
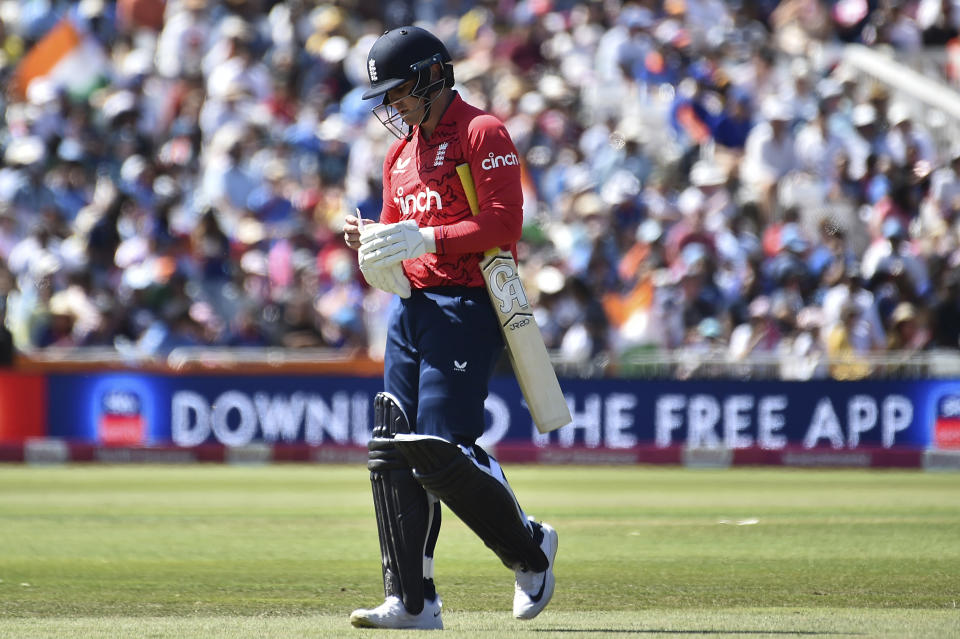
(402, 54)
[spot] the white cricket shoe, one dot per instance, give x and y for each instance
(393, 615)
(533, 590)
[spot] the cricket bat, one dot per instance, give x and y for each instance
(528, 354)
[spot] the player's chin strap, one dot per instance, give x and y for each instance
(408, 518)
(427, 106)
(431, 88)
(474, 487)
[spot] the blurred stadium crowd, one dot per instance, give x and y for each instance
(699, 175)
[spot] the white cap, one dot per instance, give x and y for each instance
(139, 276)
(249, 231)
(137, 62)
(863, 114)
(759, 307)
(333, 127)
(897, 113)
(531, 103)
(90, 8)
(549, 280)
(25, 150)
(335, 49)
(705, 173)
(254, 262)
(41, 91)
(810, 317)
(119, 102)
(132, 168)
(45, 264)
(777, 109)
(588, 203)
(234, 26)
(690, 201)
(649, 231)
(620, 187)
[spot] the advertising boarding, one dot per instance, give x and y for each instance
(611, 414)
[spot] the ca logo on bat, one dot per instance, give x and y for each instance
(506, 287)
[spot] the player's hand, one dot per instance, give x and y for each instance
(386, 244)
(352, 224)
(389, 278)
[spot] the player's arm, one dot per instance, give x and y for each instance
(390, 242)
(387, 276)
(495, 167)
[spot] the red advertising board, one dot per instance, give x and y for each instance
(23, 407)
(947, 434)
(946, 427)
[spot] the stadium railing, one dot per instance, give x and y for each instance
(649, 364)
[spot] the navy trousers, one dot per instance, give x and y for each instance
(442, 346)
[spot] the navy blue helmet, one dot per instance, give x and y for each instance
(403, 54)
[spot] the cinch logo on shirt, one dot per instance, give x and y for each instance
(421, 202)
(496, 161)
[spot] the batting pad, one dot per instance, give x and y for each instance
(473, 486)
(408, 519)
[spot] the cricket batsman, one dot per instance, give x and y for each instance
(443, 337)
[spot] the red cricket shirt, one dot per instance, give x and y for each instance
(420, 182)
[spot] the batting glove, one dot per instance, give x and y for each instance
(389, 278)
(387, 244)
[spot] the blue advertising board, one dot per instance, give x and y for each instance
(160, 409)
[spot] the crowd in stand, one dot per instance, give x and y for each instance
(699, 175)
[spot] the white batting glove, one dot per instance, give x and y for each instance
(389, 278)
(387, 244)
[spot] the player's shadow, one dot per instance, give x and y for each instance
(653, 631)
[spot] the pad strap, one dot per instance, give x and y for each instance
(476, 490)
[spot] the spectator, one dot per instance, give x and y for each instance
(848, 290)
(939, 21)
(802, 353)
(908, 330)
(183, 40)
(731, 128)
(946, 314)
(818, 147)
(680, 163)
(904, 133)
(942, 206)
(770, 152)
(846, 363)
(758, 336)
(892, 254)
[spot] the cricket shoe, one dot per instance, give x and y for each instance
(393, 615)
(533, 590)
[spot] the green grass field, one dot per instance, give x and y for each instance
(287, 551)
